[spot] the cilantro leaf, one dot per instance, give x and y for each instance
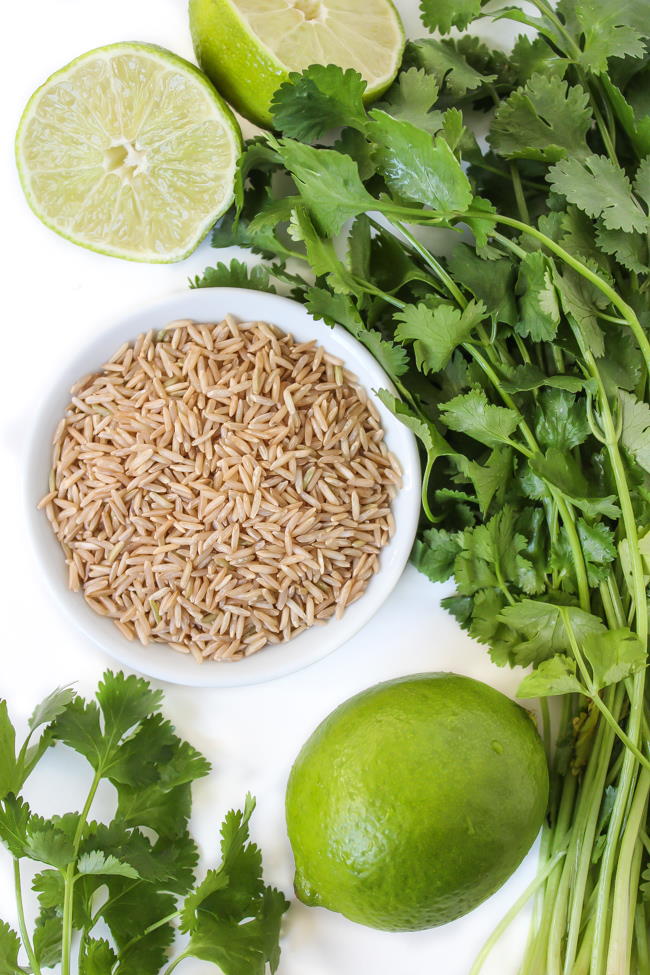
(98, 958)
(9, 770)
(536, 57)
(541, 629)
(600, 188)
(614, 28)
(446, 62)
(582, 301)
(79, 728)
(562, 471)
(495, 290)
(130, 909)
(427, 433)
(339, 309)
(9, 948)
(492, 555)
(125, 702)
(49, 844)
(538, 301)
(442, 15)
(561, 422)
(546, 119)
(317, 100)
(635, 433)
(436, 332)
(48, 933)
(234, 275)
(321, 253)
(51, 707)
(554, 676)
(527, 377)
(635, 124)
(14, 819)
(471, 413)
(434, 554)
(597, 543)
(329, 183)
(630, 250)
(98, 863)
(232, 918)
(417, 167)
(49, 885)
(411, 98)
(613, 656)
(490, 479)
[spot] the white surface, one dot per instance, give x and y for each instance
(54, 293)
(212, 305)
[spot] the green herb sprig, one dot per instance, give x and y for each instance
(503, 287)
(134, 875)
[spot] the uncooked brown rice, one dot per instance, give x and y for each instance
(219, 487)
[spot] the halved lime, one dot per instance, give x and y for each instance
(248, 47)
(130, 151)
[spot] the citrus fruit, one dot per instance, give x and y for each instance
(248, 47)
(414, 801)
(129, 150)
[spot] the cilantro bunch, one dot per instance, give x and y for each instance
(124, 885)
(502, 283)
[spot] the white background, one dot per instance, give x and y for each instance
(54, 294)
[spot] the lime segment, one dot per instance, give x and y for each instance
(129, 151)
(248, 47)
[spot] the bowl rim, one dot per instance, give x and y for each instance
(157, 660)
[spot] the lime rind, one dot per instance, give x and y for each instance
(68, 192)
(244, 66)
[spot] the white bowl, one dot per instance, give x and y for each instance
(157, 660)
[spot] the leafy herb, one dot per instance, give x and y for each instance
(144, 859)
(522, 365)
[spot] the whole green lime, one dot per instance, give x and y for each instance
(414, 801)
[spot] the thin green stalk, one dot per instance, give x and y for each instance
(621, 933)
(434, 264)
(176, 962)
(536, 954)
(68, 896)
(626, 310)
(152, 927)
(595, 696)
(641, 940)
(584, 830)
(520, 197)
(36, 969)
(581, 965)
(518, 905)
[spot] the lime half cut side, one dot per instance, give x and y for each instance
(248, 47)
(129, 150)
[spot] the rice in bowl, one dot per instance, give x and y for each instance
(220, 487)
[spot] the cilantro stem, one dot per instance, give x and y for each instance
(585, 825)
(68, 895)
(626, 310)
(434, 264)
(621, 933)
(152, 927)
(518, 905)
(520, 198)
(562, 505)
(176, 962)
(36, 969)
(594, 696)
